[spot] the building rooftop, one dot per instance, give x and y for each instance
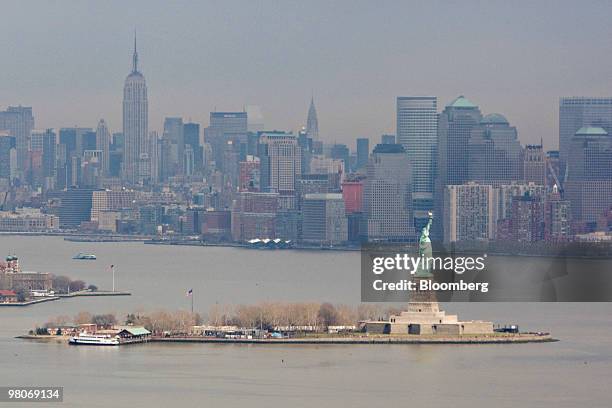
(135, 330)
(461, 102)
(494, 119)
(591, 131)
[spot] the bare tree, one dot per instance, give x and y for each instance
(77, 285)
(368, 311)
(82, 318)
(104, 320)
(346, 315)
(328, 315)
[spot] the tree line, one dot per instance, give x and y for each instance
(263, 315)
(64, 284)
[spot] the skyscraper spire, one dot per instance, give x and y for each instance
(312, 123)
(135, 56)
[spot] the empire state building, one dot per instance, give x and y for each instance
(136, 162)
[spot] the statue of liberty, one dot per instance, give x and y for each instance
(425, 251)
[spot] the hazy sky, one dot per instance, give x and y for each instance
(68, 59)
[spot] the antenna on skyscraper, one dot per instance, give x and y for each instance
(135, 56)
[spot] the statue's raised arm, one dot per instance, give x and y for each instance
(426, 228)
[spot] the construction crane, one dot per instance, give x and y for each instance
(552, 172)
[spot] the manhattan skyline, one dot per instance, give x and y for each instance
(206, 57)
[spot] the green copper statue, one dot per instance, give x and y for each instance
(424, 271)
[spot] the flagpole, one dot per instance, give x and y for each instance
(192, 301)
(113, 269)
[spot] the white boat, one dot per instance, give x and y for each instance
(94, 340)
(81, 255)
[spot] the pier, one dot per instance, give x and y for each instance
(59, 296)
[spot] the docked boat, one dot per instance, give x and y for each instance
(94, 340)
(83, 256)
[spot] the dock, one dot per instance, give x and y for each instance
(96, 293)
(30, 302)
(59, 296)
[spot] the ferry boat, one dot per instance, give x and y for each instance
(94, 340)
(88, 257)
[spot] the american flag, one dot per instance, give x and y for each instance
(189, 292)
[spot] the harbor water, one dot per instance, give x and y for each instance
(567, 373)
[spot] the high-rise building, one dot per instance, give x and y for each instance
(116, 154)
(249, 174)
(75, 207)
(280, 165)
(36, 140)
(455, 126)
(557, 217)
(334, 168)
(324, 221)
(312, 122)
(136, 125)
(7, 144)
(527, 220)
(226, 127)
(341, 152)
(88, 141)
(103, 141)
(311, 184)
(388, 195)
(68, 138)
(91, 169)
(470, 213)
(363, 151)
(494, 152)
(306, 150)
(191, 135)
(577, 112)
(188, 161)
(534, 164)
(352, 192)
(231, 125)
(34, 167)
(589, 176)
(107, 200)
(155, 157)
(253, 216)
(507, 192)
(417, 131)
(175, 143)
(49, 156)
(19, 122)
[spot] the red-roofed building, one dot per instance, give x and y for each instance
(8, 296)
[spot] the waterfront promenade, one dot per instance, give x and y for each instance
(497, 338)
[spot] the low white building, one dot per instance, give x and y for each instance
(28, 220)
